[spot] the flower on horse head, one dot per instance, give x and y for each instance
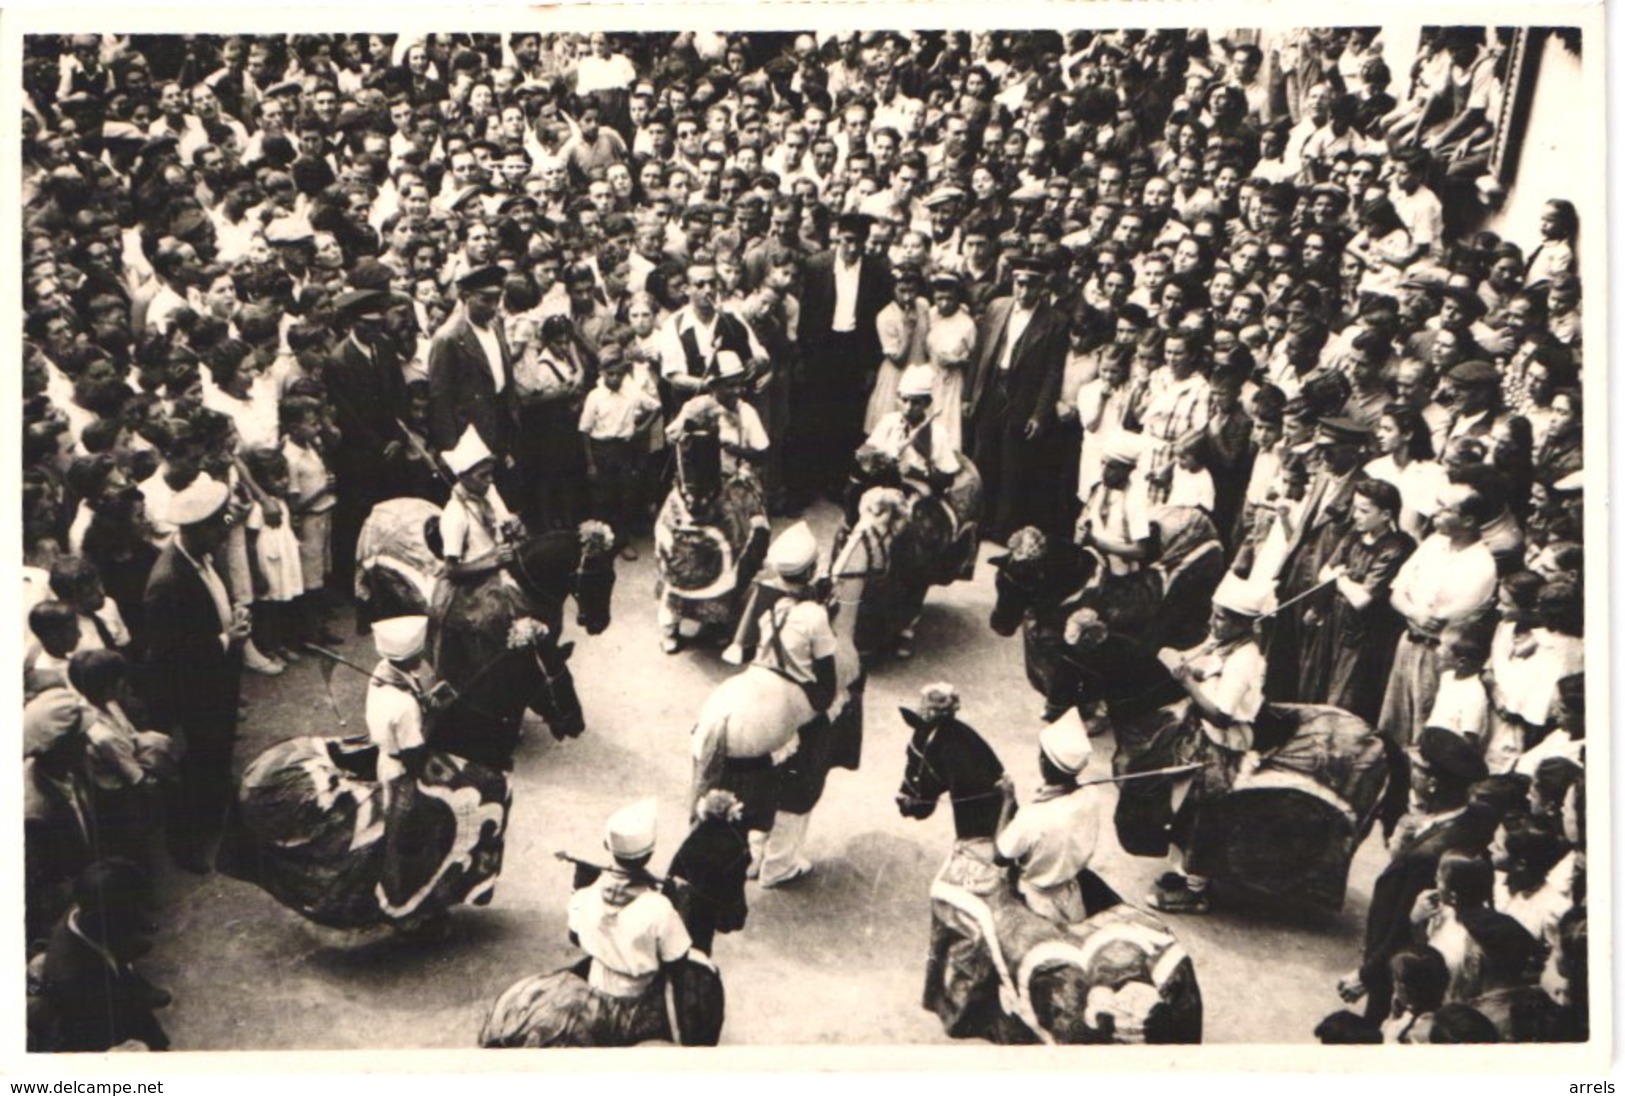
(1027, 544)
(596, 536)
(886, 503)
(938, 700)
(526, 632)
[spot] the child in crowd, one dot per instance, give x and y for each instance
(612, 419)
(1192, 484)
(274, 556)
(1463, 703)
(310, 501)
(55, 625)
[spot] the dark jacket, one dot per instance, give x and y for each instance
(90, 1005)
(818, 303)
(462, 393)
(192, 679)
(1034, 382)
(368, 394)
(1388, 928)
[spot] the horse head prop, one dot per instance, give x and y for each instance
(594, 576)
(578, 562)
(947, 757)
(1034, 575)
(922, 784)
(554, 697)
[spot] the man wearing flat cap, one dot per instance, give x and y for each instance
(194, 666)
(471, 370)
(1010, 399)
(1443, 767)
(843, 291)
(1475, 403)
(1301, 656)
(368, 390)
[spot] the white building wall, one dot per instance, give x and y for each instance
(1556, 152)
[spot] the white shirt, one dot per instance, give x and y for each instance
(394, 717)
(493, 352)
(464, 534)
(892, 435)
(1439, 581)
(1462, 706)
(629, 930)
(1017, 326)
(1232, 678)
(673, 358)
(613, 414)
(804, 634)
(1053, 839)
(846, 295)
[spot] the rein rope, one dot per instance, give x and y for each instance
(911, 791)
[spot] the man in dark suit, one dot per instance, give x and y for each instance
(843, 291)
(1444, 766)
(1010, 403)
(471, 373)
(94, 999)
(194, 665)
(368, 391)
(1300, 662)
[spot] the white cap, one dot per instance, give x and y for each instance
(794, 550)
(916, 381)
(471, 449)
(1243, 597)
(400, 638)
(630, 832)
(1066, 743)
(1122, 447)
(198, 501)
(729, 365)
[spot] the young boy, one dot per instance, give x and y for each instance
(1463, 702)
(612, 418)
(1192, 484)
(55, 625)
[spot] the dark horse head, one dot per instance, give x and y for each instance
(554, 694)
(569, 562)
(1033, 576)
(947, 757)
(483, 723)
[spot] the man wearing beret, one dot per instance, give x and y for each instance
(1443, 767)
(194, 666)
(471, 370)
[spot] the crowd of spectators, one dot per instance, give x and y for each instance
(1237, 270)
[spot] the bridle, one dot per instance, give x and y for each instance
(911, 788)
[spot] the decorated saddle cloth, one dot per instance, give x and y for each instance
(346, 851)
(1126, 956)
(561, 1010)
(394, 537)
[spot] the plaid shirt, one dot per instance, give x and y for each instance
(1173, 409)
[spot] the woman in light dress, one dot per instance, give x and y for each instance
(901, 326)
(950, 340)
